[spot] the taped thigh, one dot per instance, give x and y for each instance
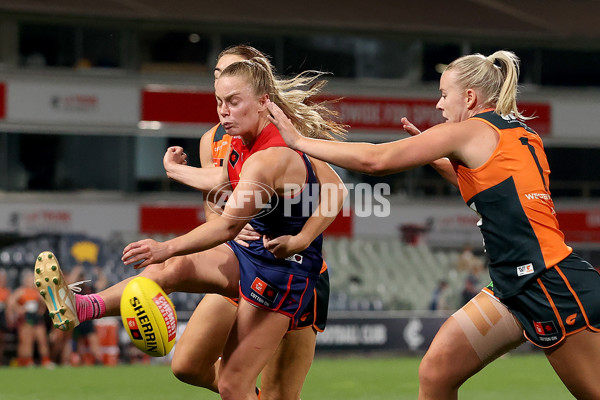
(489, 326)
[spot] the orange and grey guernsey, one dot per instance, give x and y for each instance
(220, 144)
(511, 195)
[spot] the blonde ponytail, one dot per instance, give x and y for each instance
(496, 76)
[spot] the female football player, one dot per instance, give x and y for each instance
(502, 172)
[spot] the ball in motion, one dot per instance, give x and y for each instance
(148, 316)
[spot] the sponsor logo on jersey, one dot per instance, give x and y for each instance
(234, 157)
(538, 196)
(525, 269)
(295, 258)
(263, 292)
(545, 328)
(217, 147)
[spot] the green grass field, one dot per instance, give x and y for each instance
(514, 377)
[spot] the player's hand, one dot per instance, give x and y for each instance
(283, 246)
(409, 127)
(289, 133)
(246, 234)
(144, 252)
(174, 156)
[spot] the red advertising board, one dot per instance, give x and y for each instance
(361, 113)
(580, 226)
(170, 219)
(179, 107)
(2, 100)
(179, 220)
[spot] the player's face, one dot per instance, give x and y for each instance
(226, 61)
(453, 100)
(238, 107)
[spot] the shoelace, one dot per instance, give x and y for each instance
(75, 285)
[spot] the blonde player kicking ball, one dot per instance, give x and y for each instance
(196, 356)
(215, 269)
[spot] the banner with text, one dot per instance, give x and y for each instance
(361, 113)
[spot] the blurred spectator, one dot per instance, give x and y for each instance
(26, 309)
(86, 344)
(473, 281)
(4, 295)
(466, 258)
(440, 297)
(60, 346)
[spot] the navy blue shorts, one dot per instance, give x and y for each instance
(315, 314)
(562, 301)
(277, 286)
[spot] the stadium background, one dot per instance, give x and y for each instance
(91, 94)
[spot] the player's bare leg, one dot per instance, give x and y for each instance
(210, 271)
(196, 357)
(575, 360)
(282, 379)
(253, 339)
(41, 338)
(25, 344)
(481, 331)
(214, 270)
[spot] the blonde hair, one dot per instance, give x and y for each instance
(244, 51)
(496, 76)
(295, 96)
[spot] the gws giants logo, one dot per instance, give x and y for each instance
(259, 196)
(525, 269)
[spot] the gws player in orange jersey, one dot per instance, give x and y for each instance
(500, 167)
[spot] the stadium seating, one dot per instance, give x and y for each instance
(388, 274)
(365, 274)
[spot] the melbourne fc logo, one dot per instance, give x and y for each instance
(255, 196)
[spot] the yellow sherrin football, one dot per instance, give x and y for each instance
(149, 317)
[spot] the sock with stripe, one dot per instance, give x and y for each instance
(89, 306)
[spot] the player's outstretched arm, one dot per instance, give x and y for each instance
(237, 212)
(332, 193)
(440, 141)
(443, 165)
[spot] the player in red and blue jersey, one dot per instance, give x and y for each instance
(197, 263)
(267, 171)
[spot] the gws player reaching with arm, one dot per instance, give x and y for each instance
(502, 173)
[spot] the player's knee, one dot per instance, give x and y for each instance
(161, 275)
(433, 373)
(181, 370)
(198, 371)
(232, 385)
(227, 389)
(186, 372)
